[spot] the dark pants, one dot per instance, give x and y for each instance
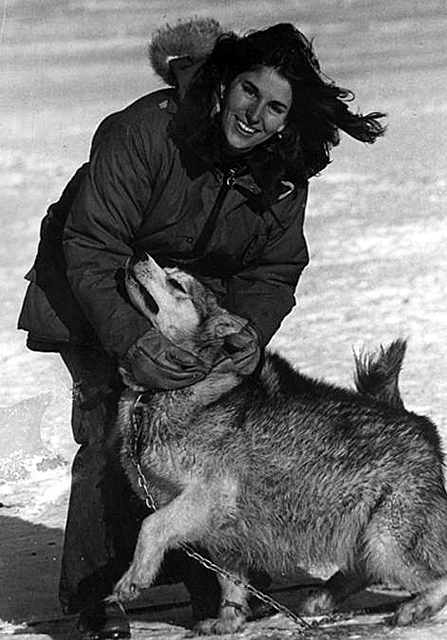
(104, 515)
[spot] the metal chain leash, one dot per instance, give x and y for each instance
(142, 482)
(208, 564)
(205, 562)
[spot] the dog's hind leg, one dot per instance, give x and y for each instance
(425, 605)
(233, 609)
(426, 565)
(408, 545)
(184, 519)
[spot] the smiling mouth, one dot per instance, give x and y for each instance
(244, 128)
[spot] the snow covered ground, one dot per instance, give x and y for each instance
(376, 221)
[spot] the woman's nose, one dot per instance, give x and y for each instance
(254, 113)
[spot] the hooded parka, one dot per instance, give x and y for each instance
(139, 192)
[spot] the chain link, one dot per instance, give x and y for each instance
(205, 562)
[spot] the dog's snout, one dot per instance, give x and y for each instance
(138, 256)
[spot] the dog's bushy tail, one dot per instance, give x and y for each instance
(377, 374)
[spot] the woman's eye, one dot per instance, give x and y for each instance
(176, 285)
(277, 108)
(249, 89)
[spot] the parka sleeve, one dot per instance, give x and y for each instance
(101, 225)
(264, 292)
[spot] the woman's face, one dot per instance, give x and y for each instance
(255, 107)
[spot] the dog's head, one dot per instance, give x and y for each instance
(178, 305)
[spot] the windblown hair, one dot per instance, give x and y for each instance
(319, 107)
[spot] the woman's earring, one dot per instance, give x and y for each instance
(216, 107)
(218, 97)
(279, 135)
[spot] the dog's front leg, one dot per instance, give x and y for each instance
(182, 520)
(146, 561)
(233, 609)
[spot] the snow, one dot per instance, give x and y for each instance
(375, 226)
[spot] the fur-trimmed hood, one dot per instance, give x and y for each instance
(192, 39)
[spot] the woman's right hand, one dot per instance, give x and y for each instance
(154, 362)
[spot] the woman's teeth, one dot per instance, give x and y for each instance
(244, 127)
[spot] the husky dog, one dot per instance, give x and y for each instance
(279, 472)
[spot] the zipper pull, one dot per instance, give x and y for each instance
(230, 178)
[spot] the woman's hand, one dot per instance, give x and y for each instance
(154, 362)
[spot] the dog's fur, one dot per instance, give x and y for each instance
(279, 471)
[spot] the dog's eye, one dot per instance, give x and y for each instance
(176, 284)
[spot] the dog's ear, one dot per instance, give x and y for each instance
(224, 324)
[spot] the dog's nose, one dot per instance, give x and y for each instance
(138, 256)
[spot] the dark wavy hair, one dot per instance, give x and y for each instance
(319, 107)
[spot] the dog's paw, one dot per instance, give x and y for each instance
(128, 587)
(416, 610)
(218, 626)
(318, 602)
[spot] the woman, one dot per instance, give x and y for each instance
(211, 175)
